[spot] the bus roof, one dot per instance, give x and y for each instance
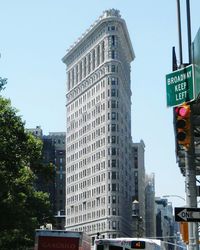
(124, 239)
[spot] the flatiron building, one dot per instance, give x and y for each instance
(99, 184)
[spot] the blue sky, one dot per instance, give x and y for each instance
(35, 36)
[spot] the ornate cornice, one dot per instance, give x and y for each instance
(108, 15)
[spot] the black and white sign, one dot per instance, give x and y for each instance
(187, 214)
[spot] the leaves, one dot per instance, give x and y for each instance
(22, 207)
(3, 82)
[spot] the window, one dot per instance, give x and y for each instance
(113, 38)
(113, 115)
(84, 67)
(113, 163)
(77, 72)
(113, 199)
(113, 92)
(80, 71)
(114, 187)
(113, 139)
(72, 77)
(98, 55)
(113, 151)
(113, 81)
(68, 80)
(93, 59)
(89, 61)
(114, 211)
(113, 54)
(103, 52)
(113, 68)
(113, 104)
(114, 176)
(113, 127)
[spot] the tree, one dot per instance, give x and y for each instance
(3, 82)
(22, 207)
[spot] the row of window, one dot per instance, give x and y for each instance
(99, 166)
(96, 104)
(91, 181)
(83, 195)
(89, 43)
(92, 60)
(113, 92)
(98, 202)
(87, 217)
(95, 129)
(96, 156)
(93, 169)
(95, 227)
(91, 148)
(111, 151)
(86, 150)
(99, 190)
(99, 142)
(89, 94)
(86, 139)
(84, 206)
(84, 97)
(83, 86)
(78, 118)
(93, 215)
(86, 183)
(77, 93)
(73, 126)
(90, 228)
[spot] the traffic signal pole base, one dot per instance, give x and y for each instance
(191, 198)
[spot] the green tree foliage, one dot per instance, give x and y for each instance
(22, 207)
(3, 82)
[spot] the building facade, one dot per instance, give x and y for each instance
(138, 150)
(99, 184)
(58, 143)
(53, 152)
(164, 220)
(150, 207)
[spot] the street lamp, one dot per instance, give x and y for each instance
(173, 195)
(138, 229)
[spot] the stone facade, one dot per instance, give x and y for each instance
(99, 185)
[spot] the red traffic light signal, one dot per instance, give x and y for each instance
(183, 128)
(138, 244)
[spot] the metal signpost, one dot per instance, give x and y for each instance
(181, 89)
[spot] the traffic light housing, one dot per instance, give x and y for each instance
(183, 125)
(138, 244)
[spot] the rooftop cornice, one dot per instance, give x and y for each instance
(111, 14)
(106, 14)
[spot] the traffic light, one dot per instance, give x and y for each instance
(183, 125)
(138, 244)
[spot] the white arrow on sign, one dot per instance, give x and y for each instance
(185, 214)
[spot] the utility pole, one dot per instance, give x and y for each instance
(190, 168)
(191, 189)
(179, 33)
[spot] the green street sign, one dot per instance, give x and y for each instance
(180, 86)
